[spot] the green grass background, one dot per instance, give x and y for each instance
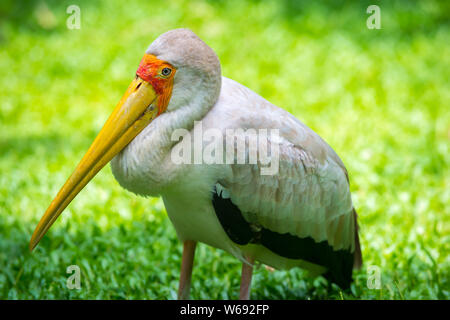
(379, 97)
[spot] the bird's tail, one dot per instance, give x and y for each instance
(357, 260)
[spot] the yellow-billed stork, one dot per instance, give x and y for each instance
(301, 216)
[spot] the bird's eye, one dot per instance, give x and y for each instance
(166, 71)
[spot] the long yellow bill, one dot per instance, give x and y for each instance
(133, 113)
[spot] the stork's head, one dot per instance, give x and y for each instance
(195, 67)
(178, 69)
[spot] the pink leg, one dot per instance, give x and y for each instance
(186, 269)
(246, 280)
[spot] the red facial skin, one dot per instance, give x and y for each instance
(150, 70)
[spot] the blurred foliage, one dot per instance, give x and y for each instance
(379, 97)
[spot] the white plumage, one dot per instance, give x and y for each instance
(300, 216)
(309, 197)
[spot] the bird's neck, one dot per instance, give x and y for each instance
(145, 166)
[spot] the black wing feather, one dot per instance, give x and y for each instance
(339, 263)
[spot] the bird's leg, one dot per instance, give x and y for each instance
(246, 280)
(186, 269)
